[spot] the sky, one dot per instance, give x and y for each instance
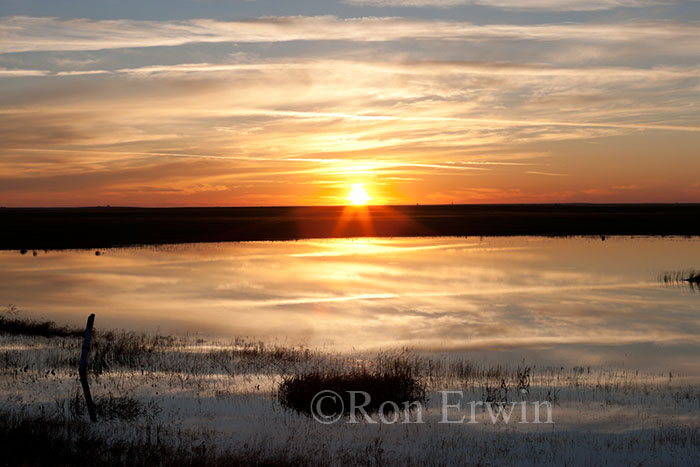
(253, 103)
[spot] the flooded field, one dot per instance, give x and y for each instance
(197, 346)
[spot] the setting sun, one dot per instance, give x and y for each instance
(358, 195)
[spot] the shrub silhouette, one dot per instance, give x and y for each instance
(297, 392)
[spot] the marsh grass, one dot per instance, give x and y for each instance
(690, 277)
(297, 392)
(50, 440)
(391, 379)
(11, 323)
(114, 351)
(165, 400)
(126, 408)
(140, 351)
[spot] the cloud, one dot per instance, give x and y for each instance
(23, 33)
(168, 128)
(552, 5)
(436, 115)
(82, 72)
(549, 174)
(5, 73)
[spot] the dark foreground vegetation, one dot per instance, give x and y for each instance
(63, 228)
(49, 440)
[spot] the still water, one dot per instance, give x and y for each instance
(552, 301)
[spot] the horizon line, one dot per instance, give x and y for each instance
(108, 206)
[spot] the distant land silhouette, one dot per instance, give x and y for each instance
(103, 227)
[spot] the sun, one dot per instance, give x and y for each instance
(358, 195)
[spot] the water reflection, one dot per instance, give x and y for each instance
(553, 300)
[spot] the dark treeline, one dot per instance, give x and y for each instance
(102, 227)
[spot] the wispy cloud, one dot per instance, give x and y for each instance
(22, 34)
(552, 5)
(4, 72)
(82, 72)
(549, 174)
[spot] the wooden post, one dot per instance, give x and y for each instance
(82, 369)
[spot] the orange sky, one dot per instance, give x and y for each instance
(295, 110)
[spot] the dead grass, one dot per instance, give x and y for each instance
(386, 390)
(49, 440)
(11, 323)
(691, 276)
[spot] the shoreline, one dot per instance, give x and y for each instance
(106, 227)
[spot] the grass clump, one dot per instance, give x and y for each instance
(297, 392)
(691, 277)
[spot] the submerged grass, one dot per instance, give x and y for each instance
(693, 277)
(126, 350)
(126, 408)
(690, 277)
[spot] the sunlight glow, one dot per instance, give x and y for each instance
(358, 195)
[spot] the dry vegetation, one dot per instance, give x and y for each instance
(690, 277)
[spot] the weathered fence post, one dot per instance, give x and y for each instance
(82, 369)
